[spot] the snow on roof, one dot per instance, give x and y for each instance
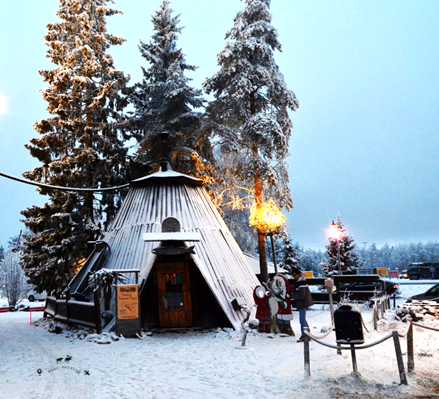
(254, 263)
(169, 174)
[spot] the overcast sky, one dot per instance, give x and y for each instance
(364, 142)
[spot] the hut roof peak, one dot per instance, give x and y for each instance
(167, 173)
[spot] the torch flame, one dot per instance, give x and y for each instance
(266, 217)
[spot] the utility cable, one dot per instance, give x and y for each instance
(76, 189)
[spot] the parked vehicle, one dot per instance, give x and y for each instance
(35, 296)
(432, 294)
(422, 270)
(374, 286)
(404, 274)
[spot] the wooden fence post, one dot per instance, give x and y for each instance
(410, 354)
(354, 361)
(306, 353)
(375, 316)
(97, 309)
(398, 351)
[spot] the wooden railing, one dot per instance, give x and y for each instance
(74, 312)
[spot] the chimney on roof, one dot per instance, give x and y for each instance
(164, 159)
(164, 164)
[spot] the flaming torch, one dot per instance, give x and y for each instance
(267, 219)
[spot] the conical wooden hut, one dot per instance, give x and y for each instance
(192, 271)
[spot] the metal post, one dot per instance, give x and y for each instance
(394, 301)
(274, 254)
(354, 361)
(338, 255)
(306, 353)
(398, 351)
(410, 354)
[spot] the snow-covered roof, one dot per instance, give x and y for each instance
(168, 175)
(217, 255)
(254, 263)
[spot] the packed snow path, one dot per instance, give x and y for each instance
(34, 364)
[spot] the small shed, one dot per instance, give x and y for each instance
(192, 271)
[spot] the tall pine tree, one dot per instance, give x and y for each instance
(249, 114)
(164, 102)
(349, 260)
(81, 144)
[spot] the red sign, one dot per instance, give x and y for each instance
(393, 273)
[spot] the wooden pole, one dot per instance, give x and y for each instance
(375, 316)
(97, 301)
(398, 351)
(306, 353)
(410, 354)
(97, 311)
(354, 361)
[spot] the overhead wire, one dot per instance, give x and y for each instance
(61, 188)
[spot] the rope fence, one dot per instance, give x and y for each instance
(408, 334)
(353, 348)
(427, 327)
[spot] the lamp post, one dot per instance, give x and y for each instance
(267, 218)
(335, 233)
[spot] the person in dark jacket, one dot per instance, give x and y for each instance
(302, 297)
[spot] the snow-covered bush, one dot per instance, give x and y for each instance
(12, 278)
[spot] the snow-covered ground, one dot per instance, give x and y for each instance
(35, 363)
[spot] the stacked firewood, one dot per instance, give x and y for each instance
(418, 310)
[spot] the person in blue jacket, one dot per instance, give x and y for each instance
(302, 297)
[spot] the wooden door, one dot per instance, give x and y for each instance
(174, 294)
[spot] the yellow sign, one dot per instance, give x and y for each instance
(127, 302)
(309, 274)
(382, 270)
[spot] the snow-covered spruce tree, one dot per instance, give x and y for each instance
(165, 102)
(349, 259)
(249, 113)
(81, 144)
